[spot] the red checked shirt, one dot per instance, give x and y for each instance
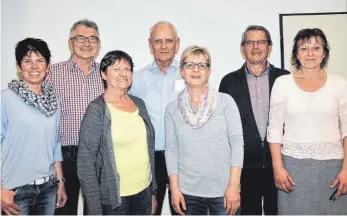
(75, 91)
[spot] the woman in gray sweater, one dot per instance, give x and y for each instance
(115, 162)
(204, 142)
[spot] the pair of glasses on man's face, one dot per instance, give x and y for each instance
(252, 43)
(191, 65)
(82, 39)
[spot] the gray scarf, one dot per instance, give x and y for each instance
(46, 102)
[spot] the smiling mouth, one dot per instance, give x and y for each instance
(34, 73)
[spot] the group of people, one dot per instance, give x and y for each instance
(267, 142)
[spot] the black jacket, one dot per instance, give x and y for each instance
(257, 153)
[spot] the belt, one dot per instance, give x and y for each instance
(160, 152)
(69, 152)
(40, 181)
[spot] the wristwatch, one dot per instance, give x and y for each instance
(60, 180)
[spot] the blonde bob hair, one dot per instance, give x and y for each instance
(195, 51)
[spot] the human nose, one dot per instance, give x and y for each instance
(163, 45)
(123, 73)
(34, 65)
(86, 42)
(309, 52)
(255, 44)
(196, 68)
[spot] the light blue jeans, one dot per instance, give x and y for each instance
(36, 199)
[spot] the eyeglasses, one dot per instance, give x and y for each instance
(191, 65)
(82, 39)
(259, 42)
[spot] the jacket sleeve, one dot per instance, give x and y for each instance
(223, 87)
(88, 148)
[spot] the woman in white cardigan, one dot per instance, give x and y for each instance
(310, 106)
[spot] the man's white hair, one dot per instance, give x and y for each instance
(162, 23)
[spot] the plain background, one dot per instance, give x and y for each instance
(336, 35)
(216, 25)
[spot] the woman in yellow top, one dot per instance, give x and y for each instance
(116, 147)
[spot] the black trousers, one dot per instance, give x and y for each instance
(72, 187)
(162, 180)
(255, 185)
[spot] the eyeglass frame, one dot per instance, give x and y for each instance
(197, 64)
(259, 42)
(85, 38)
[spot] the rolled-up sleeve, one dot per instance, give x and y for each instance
(171, 144)
(277, 113)
(235, 133)
(57, 150)
(4, 119)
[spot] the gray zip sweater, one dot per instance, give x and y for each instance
(96, 165)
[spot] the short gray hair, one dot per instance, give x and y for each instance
(256, 28)
(84, 22)
(162, 23)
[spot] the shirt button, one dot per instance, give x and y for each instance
(258, 89)
(259, 101)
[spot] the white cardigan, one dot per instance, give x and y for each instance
(315, 123)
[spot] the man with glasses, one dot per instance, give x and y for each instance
(158, 84)
(250, 86)
(77, 82)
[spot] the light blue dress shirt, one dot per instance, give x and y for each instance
(157, 90)
(30, 142)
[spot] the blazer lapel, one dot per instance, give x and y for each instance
(244, 92)
(247, 104)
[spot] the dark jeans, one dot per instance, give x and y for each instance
(138, 204)
(162, 180)
(202, 206)
(72, 187)
(255, 185)
(36, 199)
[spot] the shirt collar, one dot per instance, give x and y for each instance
(264, 73)
(73, 66)
(155, 68)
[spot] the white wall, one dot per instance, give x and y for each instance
(125, 24)
(217, 25)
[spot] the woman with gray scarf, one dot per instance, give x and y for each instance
(204, 143)
(31, 174)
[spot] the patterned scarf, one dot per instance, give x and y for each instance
(46, 102)
(205, 109)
